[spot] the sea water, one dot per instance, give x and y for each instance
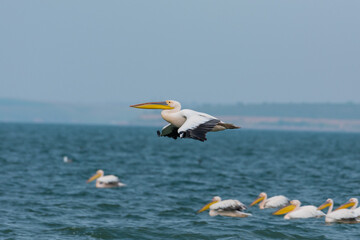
(167, 181)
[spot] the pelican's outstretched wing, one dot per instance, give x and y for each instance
(228, 205)
(169, 131)
(197, 125)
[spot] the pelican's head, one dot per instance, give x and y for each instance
(166, 105)
(216, 199)
(207, 206)
(352, 202)
(296, 203)
(326, 204)
(99, 173)
(291, 207)
(261, 197)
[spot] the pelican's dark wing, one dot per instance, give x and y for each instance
(197, 125)
(169, 131)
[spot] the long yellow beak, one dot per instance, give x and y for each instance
(324, 205)
(259, 199)
(153, 105)
(345, 205)
(284, 210)
(97, 175)
(207, 206)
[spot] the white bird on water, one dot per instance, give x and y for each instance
(295, 211)
(108, 181)
(353, 203)
(67, 159)
(228, 208)
(339, 214)
(185, 123)
(273, 202)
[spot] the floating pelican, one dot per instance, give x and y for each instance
(353, 203)
(228, 208)
(295, 211)
(340, 215)
(105, 181)
(273, 202)
(185, 123)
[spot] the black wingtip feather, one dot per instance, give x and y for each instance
(199, 133)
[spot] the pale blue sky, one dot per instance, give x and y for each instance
(193, 51)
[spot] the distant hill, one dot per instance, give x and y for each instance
(295, 116)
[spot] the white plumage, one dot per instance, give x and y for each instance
(341, 215)
(195, 120)
(276, 202)
(308, 211)
(357, 212)
(108, 179)
(105, 181)
(273, 202)
(229, 204)
(295, 211)
(229, 208)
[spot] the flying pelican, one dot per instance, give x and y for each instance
(185, 123)
(340, 215)
(353, 203)
(228, 208)
(273, 202)
(295, 211)
(105, 181)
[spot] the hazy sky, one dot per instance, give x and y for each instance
(201, 51)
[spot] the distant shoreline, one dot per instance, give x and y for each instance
(246, 123)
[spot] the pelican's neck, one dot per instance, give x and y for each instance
(297, 206)
(166, 114)
(355, 205)
(167, 111)
(330, 208)
(262, 203)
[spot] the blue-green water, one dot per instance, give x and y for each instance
(41, 197)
